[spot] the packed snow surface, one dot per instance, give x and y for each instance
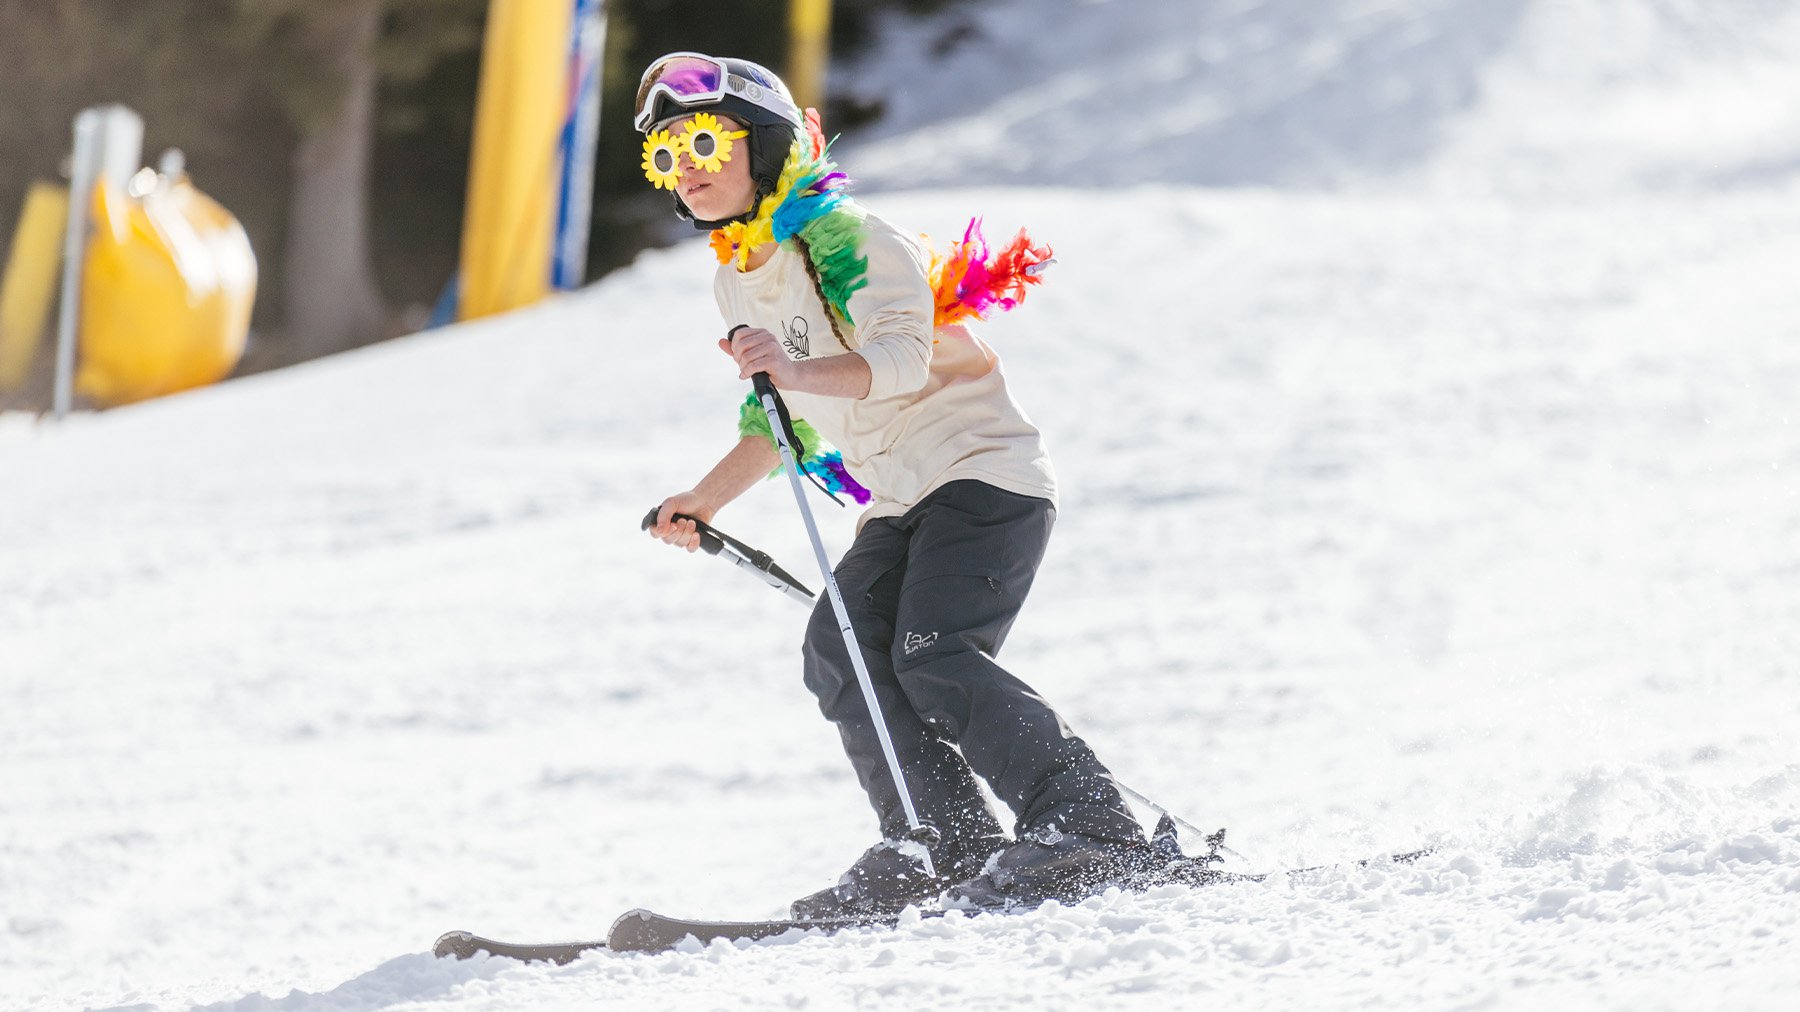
(1464, 515)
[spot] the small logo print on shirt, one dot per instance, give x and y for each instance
(916, 642)
(795, 337)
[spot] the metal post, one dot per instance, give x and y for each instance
(109, 143)
(83, 168)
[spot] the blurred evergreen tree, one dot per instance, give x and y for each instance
(273, 102)
(338, 130)
(328, 61)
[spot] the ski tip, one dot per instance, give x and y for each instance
(640, 930)
(466, 945)
(457, 944)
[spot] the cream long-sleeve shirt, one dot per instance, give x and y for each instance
(938, 409)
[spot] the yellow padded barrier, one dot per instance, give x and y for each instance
(520, 105)
(166, 293)
(809, 49)
(29, 286)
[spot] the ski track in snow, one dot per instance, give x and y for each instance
(1391, 518)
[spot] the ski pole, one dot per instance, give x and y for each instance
(771, 402)
(759, 564)
(1217, 841)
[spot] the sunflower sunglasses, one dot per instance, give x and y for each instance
(704, 140)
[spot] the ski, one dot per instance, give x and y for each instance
(647, 931)
(466, 945)
(643, 930)
(1407, 857)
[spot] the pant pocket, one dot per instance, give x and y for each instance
(952, 612)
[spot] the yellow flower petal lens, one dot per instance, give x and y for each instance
(708, 143)
(662, 160)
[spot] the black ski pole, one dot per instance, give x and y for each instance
(758, 564)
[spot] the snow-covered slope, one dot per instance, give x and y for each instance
(1397, 523)
(1533, 96)
(1391, 519)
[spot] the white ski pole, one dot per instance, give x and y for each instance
(765, 392)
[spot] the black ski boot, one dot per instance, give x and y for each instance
(891, 876)
(1046, 864)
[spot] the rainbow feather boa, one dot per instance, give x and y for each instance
(812, 201)
(969, 281)
(821, 461)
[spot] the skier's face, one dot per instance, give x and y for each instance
(719, 191)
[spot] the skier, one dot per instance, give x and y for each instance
(838, 307)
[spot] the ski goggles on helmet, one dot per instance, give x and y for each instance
(704, 140)
(695, 79)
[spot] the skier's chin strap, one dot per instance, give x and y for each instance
(711, 226)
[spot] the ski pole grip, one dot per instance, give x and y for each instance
(709, 542)
(760, 381)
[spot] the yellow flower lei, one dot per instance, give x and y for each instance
(739, 239)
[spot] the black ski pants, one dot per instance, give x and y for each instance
(931, 596)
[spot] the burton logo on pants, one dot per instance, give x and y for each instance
(916, 642)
